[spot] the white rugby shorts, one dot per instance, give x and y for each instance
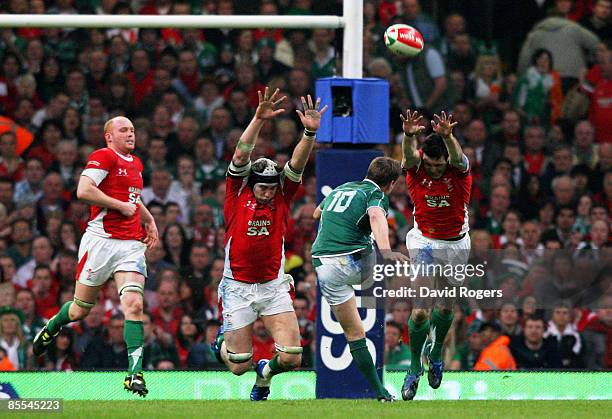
(336, 275)
(101, 257)
(242, 303)
(427, 251)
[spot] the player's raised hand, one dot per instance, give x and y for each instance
(311, 117)
(152, 235)
(443, 126)
(268, 103)
(127, 209)
(412, 123)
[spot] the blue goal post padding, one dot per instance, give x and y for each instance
(358, 110)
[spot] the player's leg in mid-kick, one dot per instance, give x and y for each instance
(85, 297)
(336, 277)
(130, 286)
(349, 319)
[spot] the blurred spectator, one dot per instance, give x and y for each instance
(89, 328)
(307, 329)
(7, 294)
(538, 91)
(509, 320)
(467, 353)
(42, 254)
(176, 245)
(564, 221)
(21, 238)
(46, 291)
(66, 163)
(413, 16)
(496, 354)
(397, 353)
(598, 21)
(584, 149)
(598, 336)
(12, 339)
(158, 345)
(565, 339)
(11, 165)
(32, 323)
(599, 111)
(268, 66)
(567, 42)
(188, 78)
(61, 354)
(106, 352)
(52, 202)
(168, 313)
(196, 274)
(531, 350)
(263, 344)
(425, 80)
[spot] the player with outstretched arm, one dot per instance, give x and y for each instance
(439, 182)
(254, 284)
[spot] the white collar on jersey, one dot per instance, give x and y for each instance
(126, 158)
(372, 182)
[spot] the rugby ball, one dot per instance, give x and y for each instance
(403, 40)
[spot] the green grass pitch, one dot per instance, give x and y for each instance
(330, 408)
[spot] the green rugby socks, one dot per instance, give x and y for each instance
(418, 335)
(133, 334)
(440, 323)
(61, 318)
(363, 359)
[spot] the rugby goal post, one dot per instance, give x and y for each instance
(351, 21)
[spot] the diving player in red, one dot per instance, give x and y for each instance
(254, 284)
(439, 182)
(111, 246)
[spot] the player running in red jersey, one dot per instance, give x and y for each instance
(257, 204)
(439, 182)
(111, 246)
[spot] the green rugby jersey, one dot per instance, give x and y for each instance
(344, 226)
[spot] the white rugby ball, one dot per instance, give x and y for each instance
(403, 40)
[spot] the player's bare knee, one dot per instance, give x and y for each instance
(132, 303)
(239, 369)
(131, 294)
(290, 361)
(419, 315)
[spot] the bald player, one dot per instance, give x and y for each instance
(113, 245)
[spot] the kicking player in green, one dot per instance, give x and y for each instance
(343, 254)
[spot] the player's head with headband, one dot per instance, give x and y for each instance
(435, 156)
(264, 179)
(384, 171)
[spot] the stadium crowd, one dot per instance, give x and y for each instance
(534, 110)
